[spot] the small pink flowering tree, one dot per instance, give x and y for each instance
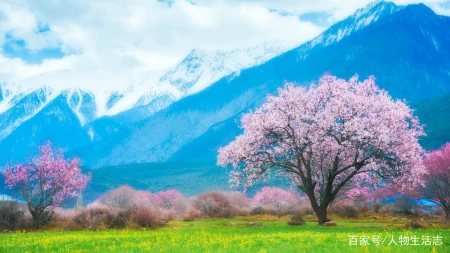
(170, 198)
(327, 139)
(360, 193)
(123, 198)
(437, 181)
(275, 197)
(46, 182)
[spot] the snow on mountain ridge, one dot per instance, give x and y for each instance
(91, 95)
(360, 19)
(210, 67)
(201, 68)
(27, 106)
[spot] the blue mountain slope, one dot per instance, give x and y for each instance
(406, 49)
(104, 133)
(205, 147)
(435, 115)
(56, 122)
(25, 108)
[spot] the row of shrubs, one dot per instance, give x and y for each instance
(127, 207)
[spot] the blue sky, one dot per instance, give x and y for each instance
(16, 48)
(125, 36)
(13, 48)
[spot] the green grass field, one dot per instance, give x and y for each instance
(232, 235)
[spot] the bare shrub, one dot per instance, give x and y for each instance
(275, 197)
(238, 199)
(64, 218)
(404, 205)
(170, 198)
(94, 217)
(257, 210)
(12, 215)
(119, 218)
(64, 215)
(377, 207)
(271, 210)
(387, 209)
(243, 211)
(169, 214)
(345, 210)
(363, 209)
(214, 205)
(120, 198)
(192, 214)
(146, 217)
(240, 202)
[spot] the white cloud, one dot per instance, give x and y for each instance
(130, 36)
(338, 9)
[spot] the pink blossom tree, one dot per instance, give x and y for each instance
(437, 181)
(123, 198)
(327, 139)
(360, 193)
(46, 181)
(275, 197)
(169, 198)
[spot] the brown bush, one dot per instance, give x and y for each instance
(192, 214)
(169, 214)
(344, 210)
(94, 217)
(242, 211)
(64, 215)
(119, 219)
(364, 209)
(257, 210)
(377, 207)
(238, 199)
(122, 198)
(12, 215)
(272, 211)
(214, 205)
(146, 217)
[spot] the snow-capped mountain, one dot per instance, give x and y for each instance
(191, 110)
(93, 95)
(196, 72)
(202, 68)
(360, 19)
(396, 44)
(25, 107)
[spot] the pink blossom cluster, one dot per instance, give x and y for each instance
(126, 197)
(437, 180)
(48, 179)
(275, 197)
(438, 161)
(350, 130)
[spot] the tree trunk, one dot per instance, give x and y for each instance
(320, 209)
(322, 215)
(36, 219)
(447, 214)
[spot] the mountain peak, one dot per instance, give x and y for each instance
(420, 10)
(375, 7)
(360, 19)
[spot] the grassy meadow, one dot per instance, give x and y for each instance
(246, 234)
